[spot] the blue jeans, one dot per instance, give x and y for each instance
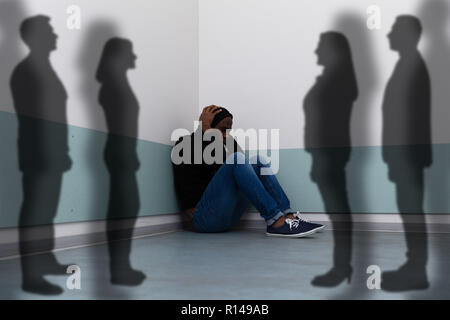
(229, 193)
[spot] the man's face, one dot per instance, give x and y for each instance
(52, 38)
(224, 125)
(394, 36)
(47, 38)
(43, 38)
(403, 37)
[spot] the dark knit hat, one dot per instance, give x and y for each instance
(220, 115)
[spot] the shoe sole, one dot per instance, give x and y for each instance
(297, 235)
(319, 229)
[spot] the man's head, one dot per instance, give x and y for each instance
(223, 121)
(38, 35)
(405, 34)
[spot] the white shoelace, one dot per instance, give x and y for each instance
(292, 223)
(298, 216)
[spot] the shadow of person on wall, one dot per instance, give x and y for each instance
(95, 36)
(353, 25)
(40, 103)
(97, 33)
(327, 107)
(407, 149)
(12, 13)
(435, 17)
(121, 110)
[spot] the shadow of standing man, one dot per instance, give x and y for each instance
(121, 109)
(40, 103)
(407, 149)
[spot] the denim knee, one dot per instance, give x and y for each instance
(260, 161)
(237, 158)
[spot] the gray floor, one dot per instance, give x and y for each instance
(239, 265)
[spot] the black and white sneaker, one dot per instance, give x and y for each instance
(292, 228)
(297, 215)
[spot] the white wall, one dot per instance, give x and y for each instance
(257, 58)
(254, 56)
(165, 38)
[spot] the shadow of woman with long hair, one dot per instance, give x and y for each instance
(328, 106)
(121, 110)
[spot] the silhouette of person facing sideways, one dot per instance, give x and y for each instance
(327, 107)
(407, 148)
(121, 111)
(40, 103)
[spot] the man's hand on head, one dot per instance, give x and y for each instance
(208, 115)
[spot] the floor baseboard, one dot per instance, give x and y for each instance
(70, 235)
(435, 223)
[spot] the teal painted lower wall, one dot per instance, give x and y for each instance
(369, 188)
(85, 187)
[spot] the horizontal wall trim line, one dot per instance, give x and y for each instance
(10, 255)
(91, 129)
(82, 234)
(10, 235)
(363, 222)
(366, 217)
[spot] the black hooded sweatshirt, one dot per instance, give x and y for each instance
(191, 179)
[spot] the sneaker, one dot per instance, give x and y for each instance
(292, 228)
(297, 215)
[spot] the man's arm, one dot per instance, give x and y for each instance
(421, 108)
